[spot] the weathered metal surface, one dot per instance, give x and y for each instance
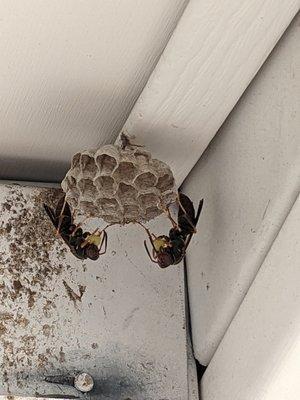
(127, 328)
(10, 397)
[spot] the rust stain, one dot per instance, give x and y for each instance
(6, 316)
(3, 329)
(27, 276)
(17, 285)
(31, 297)
(28, 344)
(21, 321)
(42, 361)
(48, 308)
(47, 330)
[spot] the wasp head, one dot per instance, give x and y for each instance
(92, 251)
(164, 258)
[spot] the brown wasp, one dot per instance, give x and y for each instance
(170, 250)
(82, 244)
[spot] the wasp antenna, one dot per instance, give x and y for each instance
(148, 252)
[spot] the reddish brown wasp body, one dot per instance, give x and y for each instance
(82, 244)
(170, 250)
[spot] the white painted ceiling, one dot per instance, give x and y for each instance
(70, 73)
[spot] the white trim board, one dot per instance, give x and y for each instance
(249, 177)
(213, 54)
(260, 354)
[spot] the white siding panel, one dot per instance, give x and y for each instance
(259, 357)
(249, 178)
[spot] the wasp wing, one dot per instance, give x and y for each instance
(189, 237)
(62, 218)
(200, 206)
(55, 216)
(186, 206)
(186, 214)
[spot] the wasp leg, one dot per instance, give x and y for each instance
(187, 243)
(61, 216)
(105, 239)
(148, 252)
(154, 252)
(125, 142)
(167, 211)
(105, 243)
(79, 225)
(174, 223)
(150, 235)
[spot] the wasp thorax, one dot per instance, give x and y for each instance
(119, 185)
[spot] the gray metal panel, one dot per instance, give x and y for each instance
(128, 330)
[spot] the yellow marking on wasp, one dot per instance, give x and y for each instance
(94, 238)
(160, 243)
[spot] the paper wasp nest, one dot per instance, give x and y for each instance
(119, 185)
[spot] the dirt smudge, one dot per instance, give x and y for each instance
(74, 297)
(27, 277)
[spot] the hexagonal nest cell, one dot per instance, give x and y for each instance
(119, 185)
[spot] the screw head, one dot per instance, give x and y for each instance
(84, 382)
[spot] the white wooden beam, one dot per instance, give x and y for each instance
(213, 54)
(249, 177)
(259, 356)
